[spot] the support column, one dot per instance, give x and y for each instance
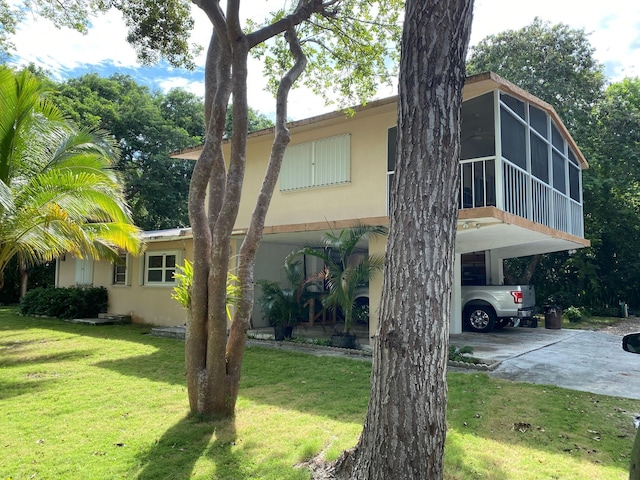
(495, 269)
(455, 321)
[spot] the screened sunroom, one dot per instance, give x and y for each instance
(520, 173)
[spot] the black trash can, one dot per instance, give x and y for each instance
(552, 317)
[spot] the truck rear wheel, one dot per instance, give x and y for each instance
(479, 318)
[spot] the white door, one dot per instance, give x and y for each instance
(84, 271)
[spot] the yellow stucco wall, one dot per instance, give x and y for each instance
(364, 197)
(148, 304)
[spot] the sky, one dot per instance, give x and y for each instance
(613, 27)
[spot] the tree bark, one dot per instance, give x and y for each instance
(213, 361)
(404, 430)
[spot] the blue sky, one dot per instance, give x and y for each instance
(614, 28)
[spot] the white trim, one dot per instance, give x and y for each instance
(126, 282)
(164, 269)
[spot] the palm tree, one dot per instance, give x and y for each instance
(58, 191)
(344, 272)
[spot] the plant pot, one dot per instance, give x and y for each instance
(343, 341)
(282, 332)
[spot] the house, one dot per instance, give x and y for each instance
(521, 194)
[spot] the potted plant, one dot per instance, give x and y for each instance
(282, 306)
(345, 273)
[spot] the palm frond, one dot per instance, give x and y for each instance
(59, 192)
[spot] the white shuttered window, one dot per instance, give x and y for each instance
(316, 164)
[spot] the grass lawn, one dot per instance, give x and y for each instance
(84, 402)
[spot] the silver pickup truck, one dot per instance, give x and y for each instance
(485, 307)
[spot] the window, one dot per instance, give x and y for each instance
(477, 136)
(514, 104)
(574, 183)
(538, 119)
(559, 172)
(316, 164)
(539, 158)
(513, 139)
(120, 270)
(160, 267)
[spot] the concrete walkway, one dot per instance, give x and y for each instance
(575, 359)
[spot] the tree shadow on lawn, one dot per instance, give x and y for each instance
(9, 388)
(175, 454)
(18, 358)
(11, 321)
(289, 380)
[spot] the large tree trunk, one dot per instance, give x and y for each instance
(404, 430)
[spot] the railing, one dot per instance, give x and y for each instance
(522, 194)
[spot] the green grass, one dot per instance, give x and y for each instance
(84, 402)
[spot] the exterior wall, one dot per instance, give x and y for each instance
(364, 197)
(147, 304)
(66, 271)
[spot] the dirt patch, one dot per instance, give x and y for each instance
(623, 327)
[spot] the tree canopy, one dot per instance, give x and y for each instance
(147, 126)
(58, 190)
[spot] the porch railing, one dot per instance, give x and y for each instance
(521, 194)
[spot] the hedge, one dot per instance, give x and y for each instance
(72, 302)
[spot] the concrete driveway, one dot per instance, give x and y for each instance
(576, 359)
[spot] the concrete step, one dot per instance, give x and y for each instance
(169, 332)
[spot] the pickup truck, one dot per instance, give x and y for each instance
(485, 307)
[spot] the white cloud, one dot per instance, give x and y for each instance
(61, 50)
(614, 27)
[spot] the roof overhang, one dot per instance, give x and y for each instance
(475, 85)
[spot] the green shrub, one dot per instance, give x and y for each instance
(462, 354)
(573, 314)
(72, 302)
(605, 311)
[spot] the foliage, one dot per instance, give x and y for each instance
(256, 121)
(283, 305)
(182, 291)
(462, 354)
(573, 314)
(148, 127)
(284, 415)
(148, 23)
(346, 270)
(352, 48)
(9, 19)
(58, 190)
(38, 276)
(71, 302)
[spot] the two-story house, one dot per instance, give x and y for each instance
(521, 194)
